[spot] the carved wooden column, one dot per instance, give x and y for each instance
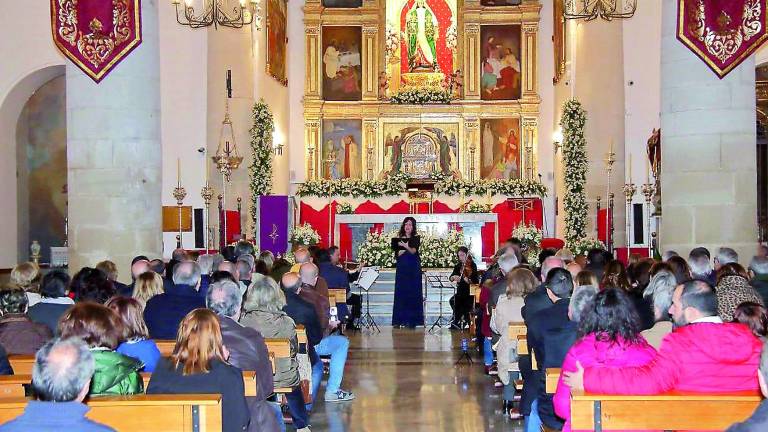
(370, 52)
(471, 150)
(312, 141)
(313, 80)
(528, 130)
(370, 129)
(471, 61)
(529, 81)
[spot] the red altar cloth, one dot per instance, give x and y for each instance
(602, 226)
(323, 221)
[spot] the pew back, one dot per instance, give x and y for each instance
(337, 295)
(22, 364)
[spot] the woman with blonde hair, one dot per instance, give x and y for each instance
(26, 276)
(199, 365)
(520, 283)
(136, 341)
(147, 285)
(586, 278)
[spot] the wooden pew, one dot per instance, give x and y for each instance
(278, 349)
(301, 334)
(337, 295)
(249, 380)
(669, 411)
(517, 329)
(165, 346)
(552, 376)
(12, 386)
(168, 413)
(522, 349)
(22, 364)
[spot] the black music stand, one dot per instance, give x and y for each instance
(365, 280)
(434, 280)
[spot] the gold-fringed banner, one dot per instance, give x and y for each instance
(722, 32)
(96, 34)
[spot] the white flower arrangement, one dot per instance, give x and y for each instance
(376, 250)
(435, 251)
(583, 245)
(260, 170)
(476, 207)
(344, 208)
(304, 235)
(421, 96)
(530, 236)
(509, 187)
(575, 172)
(452, 36)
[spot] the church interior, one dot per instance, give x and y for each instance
(430, 150)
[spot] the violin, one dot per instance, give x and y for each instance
(467, 271)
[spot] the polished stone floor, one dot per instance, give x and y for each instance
(405, 380)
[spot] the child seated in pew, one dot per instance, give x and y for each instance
(136, 342)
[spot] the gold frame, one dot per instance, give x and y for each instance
(267, 67)
(467, 111)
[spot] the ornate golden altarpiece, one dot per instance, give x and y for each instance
(466, 112)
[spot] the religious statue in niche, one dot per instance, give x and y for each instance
(342, 70)
(421, 150)
(420, 27)
(500, 71)
(500, 148)
(341, 149)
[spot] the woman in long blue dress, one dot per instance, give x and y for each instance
(408, 310)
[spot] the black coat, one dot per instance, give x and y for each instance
(222, 378)
(48, 314)
(535, 302)
(304, 313)
(761, 286)
(164, 312)
(550, 336)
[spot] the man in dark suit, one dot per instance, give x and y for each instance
(596, 261)
(164, 312)
(539, 300)
(550, 335)
(301, 311)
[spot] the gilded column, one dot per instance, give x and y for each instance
(471, 61)
(530, 85)
(313, 70)
(370, 61)
(470, 149)
(312, 141)
(528, 128)
(370, 129)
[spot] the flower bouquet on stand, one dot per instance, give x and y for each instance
(583, 245)
(530, 236)
(304, 235)
(376, 249)
(439, 251)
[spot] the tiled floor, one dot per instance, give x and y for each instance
(405, 380)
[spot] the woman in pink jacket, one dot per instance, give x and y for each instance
(609, 336)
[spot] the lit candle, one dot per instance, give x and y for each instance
(178, 171)
(630, 168)
(647, 171)
(610, 147)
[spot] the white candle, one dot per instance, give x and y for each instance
(610, 147)
(647, 171)
(630, 168)
(205, 167)
(178, 171)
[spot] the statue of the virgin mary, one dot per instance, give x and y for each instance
(421, 31)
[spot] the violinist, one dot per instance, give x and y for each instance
(464, 274)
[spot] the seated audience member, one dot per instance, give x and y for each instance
(543, 255)
(615, 276)
(596, 261)
(279, 268)
(566, 255)
(758, 272)
(609, 337)
(667, 254)
(102, 330)
(90, 284)
(308, 273)
(758, 422)
(733, 289)
(690, 359)
(540, 299)
(136, 342)
(206, 268)
(551, 332)
(263, 311)
(269, 259)
(639, 278)
(61, 377)
(574, 268)
(244, 269)
(247, 351)
(146, 286)
(26, 276)
(586, 278)
(261, 267)
(178, 255)
(54, 300)
(701, 266)
(229, 254)
(18, 333)
(659, 292)
(725, 255)
(492, 277)
(164, 312)
(231, 268)
(762, 251)
(110, 271)
(520, 282)
(220, 275)
(158, 266)
(139, 266)
(679, 268)
(244, 248)
(199, 365)
(329, 264)
(753, 316)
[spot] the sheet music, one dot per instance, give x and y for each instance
(368, 276)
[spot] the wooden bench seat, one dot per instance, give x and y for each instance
(22, 364)
(337, 295)
(669, 411)
(279, 349)
(12, 386)
(552, 377)
(168, 413)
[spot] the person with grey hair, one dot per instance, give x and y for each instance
(234, 270)
(758, 422)
(247, 351)
(269, 259)
(164, 312)
(667, 254)
(263, 311)
(244, 269)
(61, 378)
(701, 266)
(659, 291)
(758, 274)
(581, 299)
(539, 300)
(725, 255)
(206, 264)
(507, 262)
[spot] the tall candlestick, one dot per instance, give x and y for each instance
(630, 168)
(610, 146)
(647, 171)
(178, 171)
(205, 168)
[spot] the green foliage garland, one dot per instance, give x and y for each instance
(260, 171)
(421, 96)
(575, 172)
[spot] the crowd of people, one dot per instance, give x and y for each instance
(94, 336)
(648, 327)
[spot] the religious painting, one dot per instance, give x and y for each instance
(559, 40)
(342, 149)
(500, 69)
(501, 2)
(342, 3)
(421, 43)
(500, 148)
(277, 40)
(420, 149)
(342, 70)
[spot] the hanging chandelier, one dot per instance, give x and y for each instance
(605, 9)
(219, 13)
(227, 157)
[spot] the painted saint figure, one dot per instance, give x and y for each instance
(351, 168)
(331, 60)
(421, 33)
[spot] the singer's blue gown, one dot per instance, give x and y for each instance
(408, 309)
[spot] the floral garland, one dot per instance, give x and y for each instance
(530, 236)
(583, 245)
(304, 235)
(260, 171)
(476, 207)
(421, 96)
(344, 208)
(435, 251)
(576, 165)
(396, 184)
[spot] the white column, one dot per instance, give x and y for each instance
(114, 157)
(709, 195)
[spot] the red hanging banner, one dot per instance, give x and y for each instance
(96, 34)
(722, 32)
